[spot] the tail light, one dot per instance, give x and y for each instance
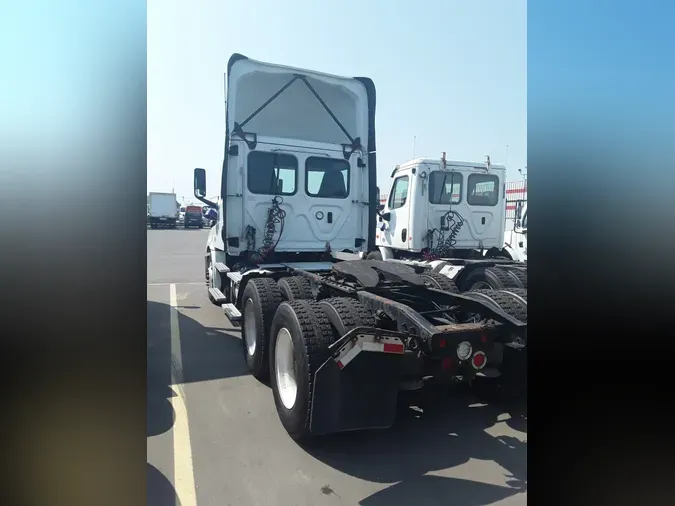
(479, 360)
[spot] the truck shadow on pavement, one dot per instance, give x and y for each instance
(207, 354)
(435, 430)
(159, 490)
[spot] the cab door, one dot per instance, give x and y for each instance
(446, 210)
(396, 233)
(487, 208)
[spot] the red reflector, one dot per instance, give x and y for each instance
(441, 343)
(478, 360)
(393, 348)
(446, 363)
(483, 339)
(340, 365)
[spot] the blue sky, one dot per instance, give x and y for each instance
(451, 73)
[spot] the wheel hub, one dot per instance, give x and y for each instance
(284, 369)
(249, 327)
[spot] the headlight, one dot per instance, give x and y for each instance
(464, 350)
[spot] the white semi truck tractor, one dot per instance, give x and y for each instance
(338, 339)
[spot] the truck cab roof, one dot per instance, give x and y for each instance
(436, 163)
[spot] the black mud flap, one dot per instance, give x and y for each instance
(514, 369)
(361, 395)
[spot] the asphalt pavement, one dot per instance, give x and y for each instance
(214, 438)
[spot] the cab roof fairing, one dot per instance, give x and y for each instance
(294, 111)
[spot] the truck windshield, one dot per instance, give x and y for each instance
(445, 187)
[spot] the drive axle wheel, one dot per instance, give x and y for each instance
(299, 339)
(346, 314)
(295, 288)
(482, 278)
(438, 281)
(261, 298)
(513, 301)
(518, 276)
(208, 275)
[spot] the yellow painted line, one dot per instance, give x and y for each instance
(184, 478)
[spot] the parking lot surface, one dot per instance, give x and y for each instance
(214, 438)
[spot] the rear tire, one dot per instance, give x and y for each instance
(440, 282)
(482, 278)
(295, 288)
(260, 300)
(512, 363)
(346, 314)
(300, 337)
(519, 277)
(374, 255)
(508, 300)
(520, 292)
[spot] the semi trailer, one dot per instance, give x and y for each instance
(163, 210)
(338, 339)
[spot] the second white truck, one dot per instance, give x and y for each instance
(449, 217)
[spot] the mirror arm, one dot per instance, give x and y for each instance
(206, 201)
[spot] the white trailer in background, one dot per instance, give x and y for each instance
(163, 212)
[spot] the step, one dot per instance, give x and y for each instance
(235, 276)
(221, 267)
(217, 296)
(231, 312)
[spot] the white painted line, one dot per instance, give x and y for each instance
(183, 472)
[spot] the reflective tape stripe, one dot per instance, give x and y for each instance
(348, 353)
